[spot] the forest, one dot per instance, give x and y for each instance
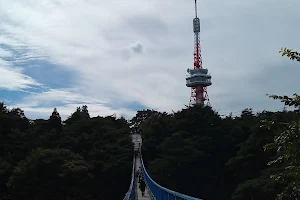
(194, 151)
(82, 158)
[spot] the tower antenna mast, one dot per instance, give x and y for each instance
(196, 14)
(198, 78)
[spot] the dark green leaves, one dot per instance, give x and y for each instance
(293, 55)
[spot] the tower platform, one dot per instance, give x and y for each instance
(198, 77)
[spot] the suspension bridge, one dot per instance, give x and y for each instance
(153, 191)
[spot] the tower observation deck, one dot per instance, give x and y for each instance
(198, 78)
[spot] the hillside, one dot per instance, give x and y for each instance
(196, 152)
(193, 151)
(87, 158)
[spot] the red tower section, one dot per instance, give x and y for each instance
(198, 78)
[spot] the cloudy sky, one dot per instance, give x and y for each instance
(121, 56)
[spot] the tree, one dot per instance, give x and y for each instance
(50, 174)
(84, 163)
(18, 112)
(81, 113)
(287, 144)
(140, 116)
(85, 112)
(293, 55)
(248, 112)
(55, 122)
(3, 108)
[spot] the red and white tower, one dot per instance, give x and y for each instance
(198, 79)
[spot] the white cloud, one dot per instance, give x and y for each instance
(60, 96)
(66, 110)
(66, 101)
(5, 53)
(93, 39)
(11, 78)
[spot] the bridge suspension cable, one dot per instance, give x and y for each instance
(157, 192)
(130, 195)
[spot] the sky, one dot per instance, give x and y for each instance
(122, 56)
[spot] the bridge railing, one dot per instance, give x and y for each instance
(159, 192)
(130, 195)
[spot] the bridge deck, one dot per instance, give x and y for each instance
(137, 189)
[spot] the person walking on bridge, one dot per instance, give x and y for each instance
(142, 186)
(138, 172)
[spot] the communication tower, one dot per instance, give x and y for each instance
(198, 78)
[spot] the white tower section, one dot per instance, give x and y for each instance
(198, 77)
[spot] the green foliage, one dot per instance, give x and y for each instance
(44, 159)
(196, 152)
(290, 101)
(135, 122)
(50, 174)
(261, 187)
(287, 143)
(293, 55)
(81, 113)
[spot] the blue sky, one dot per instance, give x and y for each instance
(123, 56)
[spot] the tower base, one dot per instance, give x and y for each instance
(199, 96)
